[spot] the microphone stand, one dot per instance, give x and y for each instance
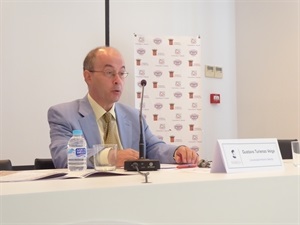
(142, 164)
(141, 144)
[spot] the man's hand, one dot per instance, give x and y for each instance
(126, 154)
(184, 154)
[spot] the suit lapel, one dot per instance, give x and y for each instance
(88, 123)
(125, 127)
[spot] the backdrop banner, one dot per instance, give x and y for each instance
(172, 98)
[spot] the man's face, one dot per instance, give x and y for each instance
(105, 84)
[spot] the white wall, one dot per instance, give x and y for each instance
(43, 44)
(268, 68)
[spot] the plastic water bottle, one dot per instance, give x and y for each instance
(77, 152)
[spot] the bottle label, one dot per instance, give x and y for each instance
(77, 153)
(80, 152)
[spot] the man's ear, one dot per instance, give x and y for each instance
(87, 76)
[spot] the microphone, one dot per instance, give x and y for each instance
(141, 144)
(142, 164)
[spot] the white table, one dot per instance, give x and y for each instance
(174, 196)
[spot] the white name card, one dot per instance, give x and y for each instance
(240, 155)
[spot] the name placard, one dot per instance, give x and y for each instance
(240, 155)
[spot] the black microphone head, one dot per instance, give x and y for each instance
(143, 82)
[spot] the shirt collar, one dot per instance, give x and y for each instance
(98, 110)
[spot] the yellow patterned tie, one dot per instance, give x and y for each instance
(109, 137)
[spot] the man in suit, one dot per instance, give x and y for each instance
(104, 72)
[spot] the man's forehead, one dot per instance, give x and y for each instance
(113, 67)
(109, 58)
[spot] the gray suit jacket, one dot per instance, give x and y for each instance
(79, 115)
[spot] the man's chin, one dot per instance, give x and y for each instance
(116, 99)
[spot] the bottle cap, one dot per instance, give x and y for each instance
(77, 132)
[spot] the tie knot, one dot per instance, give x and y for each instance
(107, 117)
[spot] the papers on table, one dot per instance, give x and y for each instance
(30, 175)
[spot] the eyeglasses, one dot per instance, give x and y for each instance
(111, 73)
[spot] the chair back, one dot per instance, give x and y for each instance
(286, 148)
(42, 164)
(5, 164)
